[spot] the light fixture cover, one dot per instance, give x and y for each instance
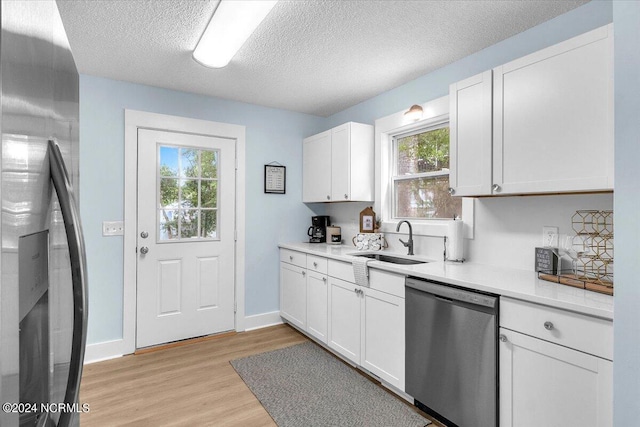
(231, 25)
(414, 113)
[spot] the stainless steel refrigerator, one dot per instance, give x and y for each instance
(43, 301)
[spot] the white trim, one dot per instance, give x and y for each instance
(140, 119)
(258, 321)
(104, 351)
(385, 129)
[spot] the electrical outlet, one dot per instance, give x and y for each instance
(112, 228)
(550, 236)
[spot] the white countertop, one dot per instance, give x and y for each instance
(508, 282)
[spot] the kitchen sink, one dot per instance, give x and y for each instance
(392, 259)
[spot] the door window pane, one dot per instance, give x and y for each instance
(188, 193)
(208, 224)
(168, 161)
(189, 223)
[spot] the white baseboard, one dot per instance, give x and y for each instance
(103, 351)
(263, 320)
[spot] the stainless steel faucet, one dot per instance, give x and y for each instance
(408, 244)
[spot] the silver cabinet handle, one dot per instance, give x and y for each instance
(144, 234)
(452, 191)
(324, 279)
(496, 188)
(315, 264)
(548, 326)
(355, 290)
(290, 258)
(304, 273)
(144, 250)
(346, 196)
(328, 197)
(503, 338)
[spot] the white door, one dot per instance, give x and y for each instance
(344, 318)
(316, 168)
(185, 232)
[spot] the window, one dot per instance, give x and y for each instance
(188, 193)
(420, 175)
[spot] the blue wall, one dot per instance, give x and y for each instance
(626, 367)
(271, 135)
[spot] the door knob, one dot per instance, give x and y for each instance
(502, 338)
(548, 326)
(144, 250)
(144, 234)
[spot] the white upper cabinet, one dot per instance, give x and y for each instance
(470, 136)
(552, 122)
(316, 168)
(338, 164)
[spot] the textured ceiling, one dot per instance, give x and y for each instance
(317, 57)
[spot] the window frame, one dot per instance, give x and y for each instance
(386, 128)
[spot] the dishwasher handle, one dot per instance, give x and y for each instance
(450, 294)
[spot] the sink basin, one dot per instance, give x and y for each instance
(392, 259)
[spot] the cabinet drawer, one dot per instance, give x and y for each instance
(341, 270)
(315, 263)
(293, 257)
(389, 283)
(584, 333)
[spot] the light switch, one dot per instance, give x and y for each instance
(113, 228)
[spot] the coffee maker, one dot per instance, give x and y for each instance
(318, 231)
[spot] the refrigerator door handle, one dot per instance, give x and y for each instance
(77, 256)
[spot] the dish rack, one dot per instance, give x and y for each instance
(594, 266)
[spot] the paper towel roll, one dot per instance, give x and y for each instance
(455, 243)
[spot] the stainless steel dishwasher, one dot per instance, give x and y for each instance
(451, 353)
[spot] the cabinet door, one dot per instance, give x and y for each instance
(545, 384)
(344, 318)
(316, 168)
(341, 163)
(553, 118)
(383, 336)
(470, 136)
(317, 310)
(293, 294)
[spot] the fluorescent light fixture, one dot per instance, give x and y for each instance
(231, 25)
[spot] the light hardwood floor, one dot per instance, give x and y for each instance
(192, 385)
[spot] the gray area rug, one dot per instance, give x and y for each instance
(304, 386)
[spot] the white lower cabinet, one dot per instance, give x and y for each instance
(543, 381)
(317, 295)
(345, 318)
(366, 325)
(293, 294)
(382, 349)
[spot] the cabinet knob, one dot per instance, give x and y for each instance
(503, 338)
(452, 191)
(304, 273)
(328, 197)
(315, 264)
(346, 196)
(290, 258)
(355, 290)
(324, 279)
(548, 326)
(496, 188)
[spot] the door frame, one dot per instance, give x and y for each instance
(140, 119)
